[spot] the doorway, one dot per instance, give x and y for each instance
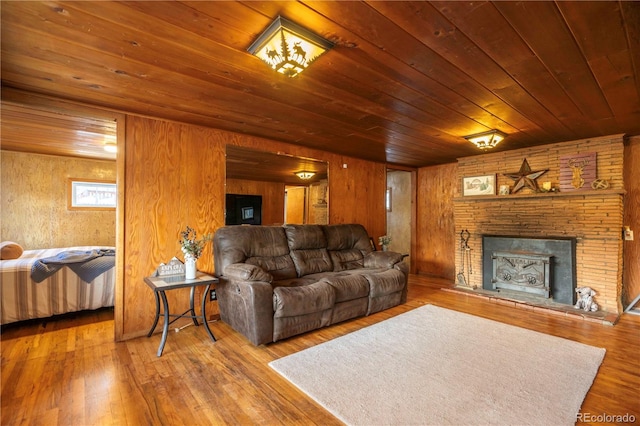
(399, 205)
(61, 129)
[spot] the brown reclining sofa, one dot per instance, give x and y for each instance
(280, 281)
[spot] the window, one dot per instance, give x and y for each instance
(88, 194)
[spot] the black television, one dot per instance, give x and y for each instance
(242, 209)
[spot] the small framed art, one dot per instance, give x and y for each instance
(479, 185)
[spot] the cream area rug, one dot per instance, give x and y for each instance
(434, 366)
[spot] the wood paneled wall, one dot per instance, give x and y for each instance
(174, 177)
(631, 272)
(435, 228)
(272, 197)
(34, 201)
(593, 217)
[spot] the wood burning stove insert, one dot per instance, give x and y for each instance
(544, 267)
(527, 272)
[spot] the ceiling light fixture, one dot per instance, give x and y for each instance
(111, 147)
(287, 47)
(486, 140)
(305, 175)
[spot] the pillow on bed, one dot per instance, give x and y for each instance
(10, 250)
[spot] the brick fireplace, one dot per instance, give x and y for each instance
(592, 219)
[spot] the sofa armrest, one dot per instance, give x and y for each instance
(247, 306)
(246, 272)
(382, 259)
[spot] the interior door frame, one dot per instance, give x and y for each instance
(414, 204)
(55, 105)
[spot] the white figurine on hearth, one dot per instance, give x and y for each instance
(585, 299)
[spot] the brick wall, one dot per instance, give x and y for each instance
(593, 217)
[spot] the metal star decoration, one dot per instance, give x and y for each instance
(525, 177)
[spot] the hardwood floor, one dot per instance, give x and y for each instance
(71, 372)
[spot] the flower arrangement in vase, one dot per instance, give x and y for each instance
(384, 242)
(192, 250)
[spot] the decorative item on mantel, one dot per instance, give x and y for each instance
(479, 185)
(577, 171)
(548, 187)
(192, 250)
(525, 177)
(384, 242)
(600, 184)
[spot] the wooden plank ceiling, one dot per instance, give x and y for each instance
(403, 84)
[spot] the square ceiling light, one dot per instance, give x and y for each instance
(288, 48)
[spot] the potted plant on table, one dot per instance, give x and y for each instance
(384, 242)
(192, 250)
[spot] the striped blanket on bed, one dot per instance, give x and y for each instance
(86, 264)
(21, 298)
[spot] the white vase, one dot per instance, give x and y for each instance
(190, 267)
(385, 247)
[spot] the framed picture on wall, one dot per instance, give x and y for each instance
(577, 171)
(479, 185)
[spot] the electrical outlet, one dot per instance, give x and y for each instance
(628, 235)
(213, 295)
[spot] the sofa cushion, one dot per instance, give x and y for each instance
(292, 301)
(305, 237)
(280, 267)
(311, 261)
(346, 259)
(348, 286)
(347, 245)
(308, 247)
(383, 283)
(346, 237)
(264, 246)
(297, 282)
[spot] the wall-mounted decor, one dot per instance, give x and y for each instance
(505, 189)
(479, 185)
(600, 184)
(577, 171)
(89, 194)
(525, 177)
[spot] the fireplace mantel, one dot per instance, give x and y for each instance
(586, 193)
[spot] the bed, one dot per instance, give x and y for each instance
(64, 291)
